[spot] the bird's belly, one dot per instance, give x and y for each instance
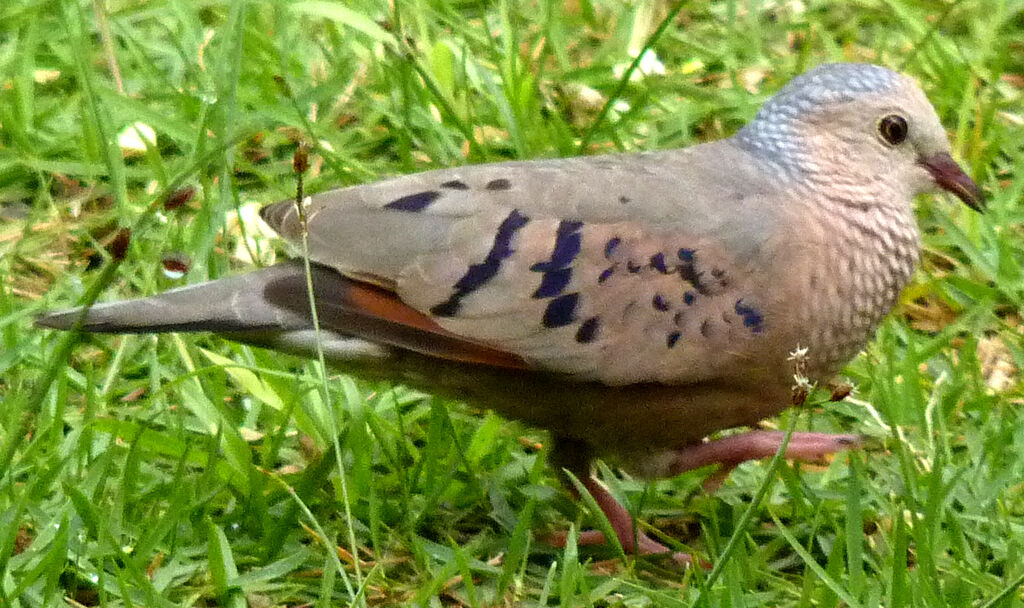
(619, 419)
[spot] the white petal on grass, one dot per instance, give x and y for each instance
(649, 65)
(135, 138)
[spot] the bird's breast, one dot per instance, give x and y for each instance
(855, 264)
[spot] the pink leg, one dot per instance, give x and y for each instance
(754, 445)
(622, 523)
(727, 452)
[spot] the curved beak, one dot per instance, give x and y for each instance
(951, 178)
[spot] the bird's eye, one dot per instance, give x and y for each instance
(893, 129)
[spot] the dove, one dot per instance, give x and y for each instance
(632, 305)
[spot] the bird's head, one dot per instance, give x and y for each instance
(853, 126)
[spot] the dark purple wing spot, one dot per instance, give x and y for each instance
(659, 303)
(691, 276)
(609, 247)
(455, 184)
(567, 246)
(561, 311)
(503, 239)
(605, 274)
(752, 318)
(687, 261)
(658, 263)
(588, 330)
(448, 308)
(498, 184)
(672, 339)
(553, 282)
(414, 202)
(476, 275)
(688, 298)
(558, 269)
(479, 274)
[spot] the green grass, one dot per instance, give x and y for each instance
(186, 470)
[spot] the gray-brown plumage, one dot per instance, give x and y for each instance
(630, 304)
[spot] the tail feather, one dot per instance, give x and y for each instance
(233, 304)
(270, 307)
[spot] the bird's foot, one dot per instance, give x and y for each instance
(633, 541)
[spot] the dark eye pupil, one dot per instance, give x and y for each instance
(893, 129)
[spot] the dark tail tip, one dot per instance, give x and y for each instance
(275, 214)
(58, 319)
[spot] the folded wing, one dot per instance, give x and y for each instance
(600, 268)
